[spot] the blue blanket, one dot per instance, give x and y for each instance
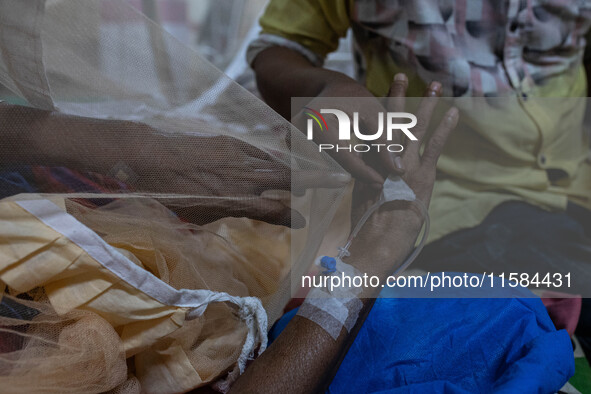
(455, 345)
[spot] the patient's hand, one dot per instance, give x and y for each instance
(303, 356)
(229, 176)
(219, 176)
(389, 234)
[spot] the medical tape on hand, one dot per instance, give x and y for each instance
(335, 308)
(396, 189)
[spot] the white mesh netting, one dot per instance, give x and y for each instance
(128, 170)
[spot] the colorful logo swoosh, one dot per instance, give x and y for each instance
(317, 117)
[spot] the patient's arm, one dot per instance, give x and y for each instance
(304, 356)
(160, 162)
(38, 137)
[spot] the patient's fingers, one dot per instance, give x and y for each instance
(319, 179)
(424, 113)
(298, 181)
(258, 208)
(397, 93)
(435, 144)
(396, 103)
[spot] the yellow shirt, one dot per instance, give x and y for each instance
(520, 135)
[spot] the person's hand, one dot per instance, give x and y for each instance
(202, 178)
(371, 167)
(229, 177)
(390, 233)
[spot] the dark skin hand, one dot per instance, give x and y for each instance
(303, 356)
(229, 176)
(280, 72)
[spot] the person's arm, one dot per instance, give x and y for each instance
(283, 73)
(37, 137)
(304, 355)
(168, 163)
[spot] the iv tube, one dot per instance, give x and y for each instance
(344, 251)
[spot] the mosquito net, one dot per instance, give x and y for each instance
(129, 165)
